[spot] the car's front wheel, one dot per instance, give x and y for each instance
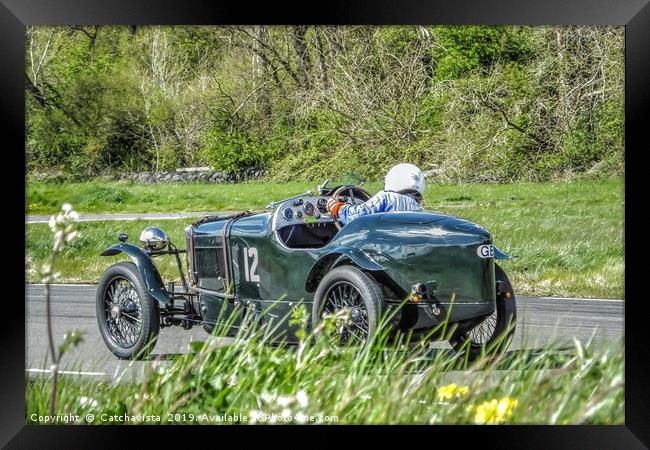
(498, 327)
(353, 296)
(128, 317)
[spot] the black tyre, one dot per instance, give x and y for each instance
(128, 317)
(493, 327)
(348, 287)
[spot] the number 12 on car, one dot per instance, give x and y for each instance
(250, 268)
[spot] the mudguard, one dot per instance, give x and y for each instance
(335, 258)
(148, 271)
(357, 256)
(500, 254)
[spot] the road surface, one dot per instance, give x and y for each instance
(541, 320)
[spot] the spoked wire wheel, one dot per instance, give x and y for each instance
(355, 298)
(482, 333)
(122, 312)
(344, 299)
(128, 317)
(497, 329)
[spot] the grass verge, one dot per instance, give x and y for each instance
(126, 197)
(317, 382)
(567, 237)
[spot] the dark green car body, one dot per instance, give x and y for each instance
(246, 259)
(398, 249)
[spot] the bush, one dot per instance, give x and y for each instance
(233, 151)
(467, 48)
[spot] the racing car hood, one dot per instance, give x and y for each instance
(411, 217)
(421, 226)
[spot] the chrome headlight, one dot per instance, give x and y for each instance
(154, 238)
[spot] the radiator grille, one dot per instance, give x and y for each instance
(209, 262)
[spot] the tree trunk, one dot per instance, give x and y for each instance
(321, 57)
(261, 72)
(303, 61)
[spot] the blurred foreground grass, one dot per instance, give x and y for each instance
(317, 382)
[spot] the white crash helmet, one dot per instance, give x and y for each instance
(404, 176)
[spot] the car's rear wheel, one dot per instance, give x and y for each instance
(128, 317)
(353, 295)
(497, 327)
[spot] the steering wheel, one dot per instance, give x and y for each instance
(341, 189)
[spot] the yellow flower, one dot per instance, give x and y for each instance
(493, 411)
(450, 391)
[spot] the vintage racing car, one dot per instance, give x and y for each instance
(430, 266)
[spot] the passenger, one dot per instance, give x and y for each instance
(403, 189)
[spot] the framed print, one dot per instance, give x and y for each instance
(389, 214)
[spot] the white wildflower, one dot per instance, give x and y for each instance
(66, 207)
(267, 397)
(46, 269)
(71, 236)
(284, 401)
(302, 398)
(255, 415)
(87, 401)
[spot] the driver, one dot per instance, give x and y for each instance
(403, 189)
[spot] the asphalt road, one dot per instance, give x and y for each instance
(541, 321)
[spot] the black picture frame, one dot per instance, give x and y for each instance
(633, 14)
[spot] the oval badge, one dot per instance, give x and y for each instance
(485, 251)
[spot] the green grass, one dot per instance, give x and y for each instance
(376, 384)
(126, 197)
(567, 237)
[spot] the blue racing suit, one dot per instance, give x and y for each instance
(382, 201)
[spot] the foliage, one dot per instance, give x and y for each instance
(465, 49)
(233, 151)
(469, 103)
